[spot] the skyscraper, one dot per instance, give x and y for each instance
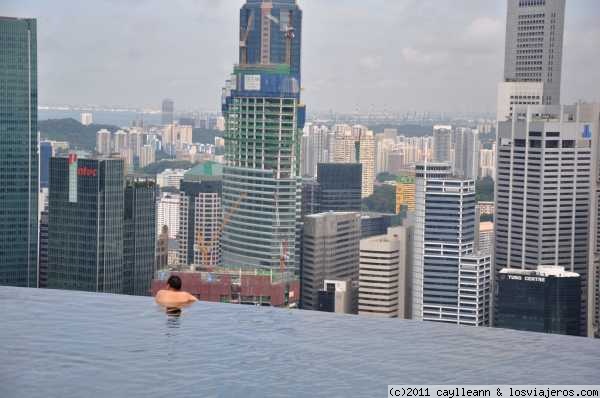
(546, 193)
(340, 186)
(384, 273)
(46, 152)
(405, 192)
(450, 282)
(139, 234)
(442, 144)
(264, 122)
(85, 226)
(168, 107)
(200, 216)
(271, 34)
(466, 153)
(103, 142)
(18, 152)
(331, 249)
(366, 141)
(547, 299)
(533, 55)
(167, 214)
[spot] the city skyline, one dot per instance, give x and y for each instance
(356, 69)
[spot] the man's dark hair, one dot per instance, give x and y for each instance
(174, 282)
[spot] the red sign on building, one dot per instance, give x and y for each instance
(86, 172)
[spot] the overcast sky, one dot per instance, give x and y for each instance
(438, 55)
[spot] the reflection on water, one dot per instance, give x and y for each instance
(173, 311)
(64, 344)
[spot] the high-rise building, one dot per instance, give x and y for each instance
(200, 216)
(384, 274)
(167, 214)
(444, 255)
(315, 150)
(485, 240)
(384, 145)
(139, 234)
(345, 147)
(405, 192)
(533, 55)
(176, 137)
(466, 153)
(311, 197)
(162, 249)
(271, 33)
(373, 224)
(442, 144)
(85, 225)
(546, 192)
(87, 118)
(136, 141)
(546, 299)
(366, 141)
(262, 178)
(120, 141)
(103, 142)
(170, 178)
(168, 108)
(18, 152)
(43, 250)
(331, 248)
(340, 186)
(487, 162)
(147, 156)
(46, 152)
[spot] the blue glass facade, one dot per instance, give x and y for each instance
(267, 30)
(18, 152)
(85, 224)
(264, 121)
(45, 155)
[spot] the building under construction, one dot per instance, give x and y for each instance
(252, 287)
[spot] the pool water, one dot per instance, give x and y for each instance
(71, 344)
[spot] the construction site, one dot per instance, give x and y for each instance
(263, 287)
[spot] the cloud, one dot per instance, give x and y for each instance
(371, 62)
(398, 54)
(419, 57)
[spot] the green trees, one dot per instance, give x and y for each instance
(383, 199)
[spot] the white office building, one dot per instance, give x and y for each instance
(384, 274)
(167, 213)
(533, 55)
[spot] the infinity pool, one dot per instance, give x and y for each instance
(70, 344)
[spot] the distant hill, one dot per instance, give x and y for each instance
(78, 135)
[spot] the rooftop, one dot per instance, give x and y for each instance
(542, 270)
(73, 344)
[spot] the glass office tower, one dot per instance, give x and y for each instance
(85, 226)
(340, 186)
(18, 152)
(139, 235)
(264, 121)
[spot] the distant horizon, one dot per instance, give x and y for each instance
(357, 57)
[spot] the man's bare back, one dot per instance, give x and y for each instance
(173, 296)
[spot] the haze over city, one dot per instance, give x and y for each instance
(307, 198)
(375, 55)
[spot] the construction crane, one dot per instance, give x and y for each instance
(283, 243)
(205, 247)
(244, 39)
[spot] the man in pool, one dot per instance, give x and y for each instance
(173, 296)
